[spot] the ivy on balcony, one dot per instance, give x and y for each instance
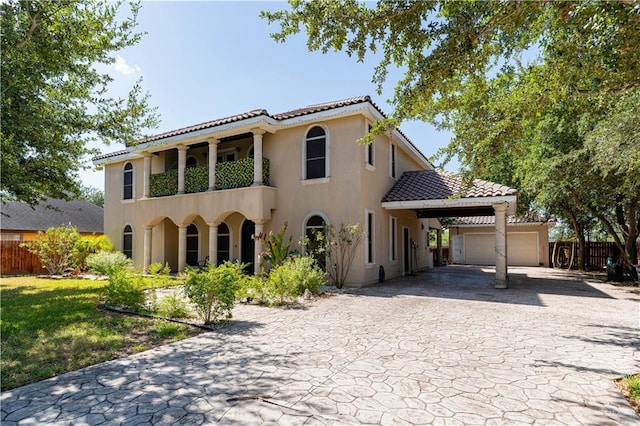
(233, 174)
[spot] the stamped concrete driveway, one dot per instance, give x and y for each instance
(444, 347)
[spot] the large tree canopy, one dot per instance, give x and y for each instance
(540, 95)
(54, 99)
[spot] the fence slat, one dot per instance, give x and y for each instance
(16, 260)
(595, 256)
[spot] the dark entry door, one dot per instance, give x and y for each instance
(248, 245)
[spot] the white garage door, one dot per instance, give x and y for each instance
(522, 249)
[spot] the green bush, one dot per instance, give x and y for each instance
(212, 290)
(158, 269)
(88, 245)
(293, 277)
(252, 289)
(105, 262)
(173, 306)
(54, 248)
(123, 290)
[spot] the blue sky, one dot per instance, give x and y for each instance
(206, 60)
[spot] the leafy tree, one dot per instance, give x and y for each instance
(54, 248)
(339, 248)
(54, 98)
(92, 195)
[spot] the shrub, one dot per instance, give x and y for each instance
(54, 248)
(277, 249)
(157, 269)
(123, 290)
(212, 290)
(339, 247)
(85, 246)
(252, 289)
(173, 306)
(105, 262)
(293, 277)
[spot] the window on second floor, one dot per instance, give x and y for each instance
(315, 152)
(127, 186)
(369, 152)
(392, 162)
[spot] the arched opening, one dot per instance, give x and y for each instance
(127, 186)
(224, 243)
(127, 241)
(315, 153)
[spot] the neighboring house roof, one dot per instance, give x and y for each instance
(437, 185)
(19, 216)
(491, 220)
(252, 116)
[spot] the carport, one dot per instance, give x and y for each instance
(435, 193)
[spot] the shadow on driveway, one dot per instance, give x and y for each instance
(466, 282)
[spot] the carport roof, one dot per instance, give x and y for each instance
(435, 193)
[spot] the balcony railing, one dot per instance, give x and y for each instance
(232, 174)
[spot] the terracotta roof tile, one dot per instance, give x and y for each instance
(491, 220)
(437, 184)
(310, 109)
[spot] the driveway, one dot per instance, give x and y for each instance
(443, 347)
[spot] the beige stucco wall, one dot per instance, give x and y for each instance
(541, 230)
(344, 197)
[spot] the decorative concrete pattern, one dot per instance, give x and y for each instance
(441, 348)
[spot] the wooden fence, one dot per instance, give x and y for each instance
(595, 258)
(17, 260)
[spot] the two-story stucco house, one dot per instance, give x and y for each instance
(204, 191)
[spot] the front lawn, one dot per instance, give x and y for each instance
(49, 327)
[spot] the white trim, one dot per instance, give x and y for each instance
(451, 202)
(315, 181)
(327, 152)
(133, 181)
(371, 237)
(393, 242)
(126, 156)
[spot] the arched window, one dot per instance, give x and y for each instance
(127, 187)
(224, 243)
(127, 241)
(315, 224)
(191, 161)
(192, 245)
(315, 153)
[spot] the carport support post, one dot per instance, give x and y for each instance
(439, 246)
(258, 246)
(213, 243)
(182, 247)
(146, 258)
(502, 279)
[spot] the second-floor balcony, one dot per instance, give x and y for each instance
(228, 175)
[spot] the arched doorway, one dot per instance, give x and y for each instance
(224, 243)
(247, 251)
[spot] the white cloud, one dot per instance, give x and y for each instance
(122, 67)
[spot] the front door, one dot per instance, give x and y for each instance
(247, 251)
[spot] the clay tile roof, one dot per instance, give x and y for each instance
(19, 216)
(437, 184)
(310, 109)
(208, 124)
(110, 154)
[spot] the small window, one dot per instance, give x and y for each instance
(127, 187)
(127, 242)
(393, 239)
(369, 152)
(192, 245)
(393, 161)
(224, 243)
(316, 153)
(370, 237)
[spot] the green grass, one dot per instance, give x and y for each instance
(633, 384)
(49, 327)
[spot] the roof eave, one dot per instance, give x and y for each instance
(511, 200)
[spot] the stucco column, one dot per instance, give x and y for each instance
(146, 177)
(182, 247)
(258, 246)
(182, 161)
(146, 259)
(213, 243)
(213, 159)
(502, 279)
(257, 156)
(439, 246)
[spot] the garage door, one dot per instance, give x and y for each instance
(522, 249)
